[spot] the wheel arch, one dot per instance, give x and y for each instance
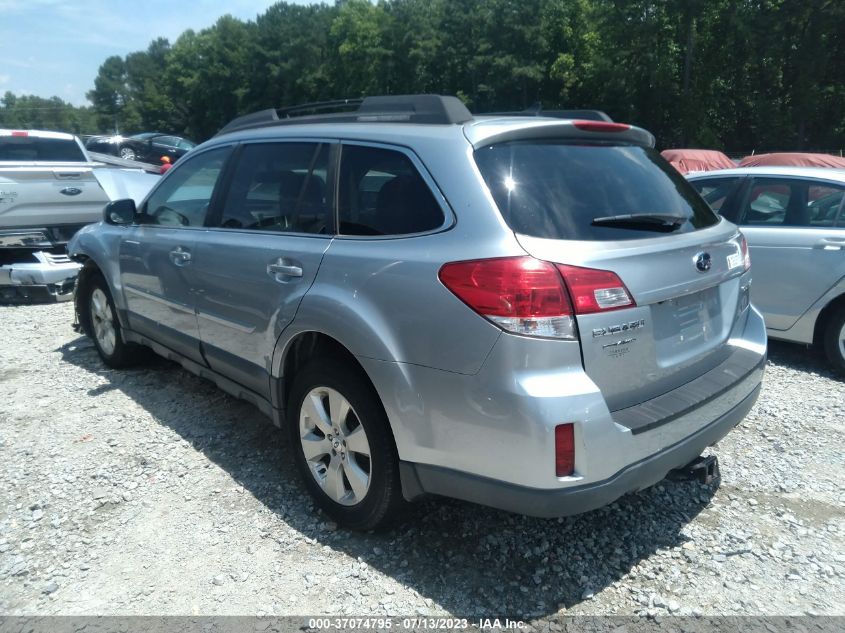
(91, 268)
(826, 314)
(294, 353)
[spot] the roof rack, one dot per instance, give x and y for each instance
(434, 109)
(537, 110)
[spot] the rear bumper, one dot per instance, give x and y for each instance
(49, 279)
(489, 437)
(419, 479)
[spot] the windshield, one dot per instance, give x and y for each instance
(556, 190)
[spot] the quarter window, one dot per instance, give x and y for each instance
(382, 193)
(280, 187)
(184, 197)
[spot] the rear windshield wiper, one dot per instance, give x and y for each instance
(652, 221)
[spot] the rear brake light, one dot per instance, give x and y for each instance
(564, 449)
(16, 133)
(600, 126)
(519, 294)
(595, 290)
(746, 256)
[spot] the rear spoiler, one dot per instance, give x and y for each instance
(491, 131)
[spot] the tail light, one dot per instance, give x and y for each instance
(529, 296)
(746, 256)
(519, 294)
(595, 290)
(564, 450)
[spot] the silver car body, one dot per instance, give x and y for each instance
(472, 408)
(799, 271)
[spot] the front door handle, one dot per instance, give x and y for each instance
(282, 268)
(830, 244)
(180, 256)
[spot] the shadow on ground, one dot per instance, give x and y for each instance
(468, 559)
(810, 360)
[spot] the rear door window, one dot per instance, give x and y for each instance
(792, 202)
(382, 193)
(825, 204)
(556, 189)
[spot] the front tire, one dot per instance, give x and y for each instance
(127, 153)
(103, 325)
(834, 340)
(343, 445)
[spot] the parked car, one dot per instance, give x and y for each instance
(694, 160)
(795, 225)
(793, 159)
(49, 188)
(534, 314)
(147, 147)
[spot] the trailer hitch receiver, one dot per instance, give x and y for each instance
(705, 470)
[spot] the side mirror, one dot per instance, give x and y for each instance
(120, 212)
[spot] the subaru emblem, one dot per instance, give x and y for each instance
(703, 262)
(71, 191)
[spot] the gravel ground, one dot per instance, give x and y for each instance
(149, 491)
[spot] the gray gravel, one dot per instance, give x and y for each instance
(149, 491)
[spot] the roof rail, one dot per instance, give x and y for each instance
(318, 106)
(433, 109)
(537, 110)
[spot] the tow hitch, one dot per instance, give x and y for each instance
(705, 470)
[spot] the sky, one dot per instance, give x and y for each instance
(55, 47)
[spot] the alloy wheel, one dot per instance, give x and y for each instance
(842, 341)
(102, 320)
(335, 446)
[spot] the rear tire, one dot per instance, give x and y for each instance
(127, 153)
(834, 340)
(103, 326)
(343, 446)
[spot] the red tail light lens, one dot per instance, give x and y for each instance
(564, 450)
(520, 294)
(20, 133)
(595, 290)
(600, 126)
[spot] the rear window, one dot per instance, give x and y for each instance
(555, 190)
(33, 148)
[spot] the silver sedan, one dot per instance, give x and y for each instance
(794, 220)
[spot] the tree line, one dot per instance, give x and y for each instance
(728, 74)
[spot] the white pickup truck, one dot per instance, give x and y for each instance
(50, 188)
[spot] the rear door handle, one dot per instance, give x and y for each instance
(180, 256)
(830, 244)
(281, 269)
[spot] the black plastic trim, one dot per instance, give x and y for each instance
(674, 404)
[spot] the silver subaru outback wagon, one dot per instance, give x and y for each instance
(534, 314)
